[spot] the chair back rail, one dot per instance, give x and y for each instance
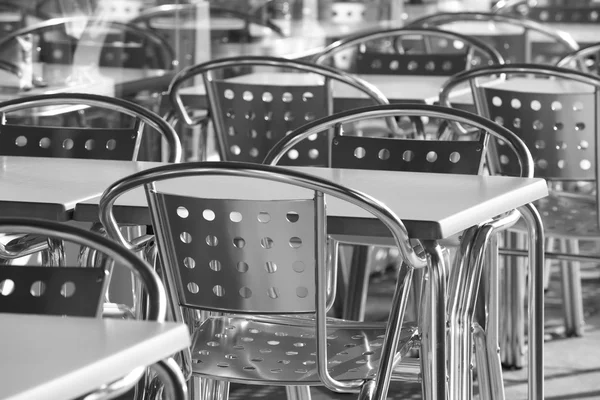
(573, 12)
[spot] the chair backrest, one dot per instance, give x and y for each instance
(71, 291)
(557, 11)
(109, 144)
(396, 154)
(510, 35)
(252, 112)
(115, 44)
(347, 12)
(556, 116)
(419, 51)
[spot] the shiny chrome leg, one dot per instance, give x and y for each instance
(536, 301)
(298, 392)
(358, 284)
(54, 256)
(433, 325)
(211, 389)
(366, 392)
(571, 287)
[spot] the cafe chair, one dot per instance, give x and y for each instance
(251, 112)
(558, 125)
(580, 12)
(179, 23)
(585, 59)
(260, 276)
(511, 36)
(110, 43)
(77, 292)
(462, 157)
(118, 144)
(406, 51)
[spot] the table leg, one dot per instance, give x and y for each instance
(358, 284)
(433, 325)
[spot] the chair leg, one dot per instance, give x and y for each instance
(571, 290)
(358, 282)
(298, 392)
(207, 389)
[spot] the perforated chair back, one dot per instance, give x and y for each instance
(566, 12)
(70, 291)
(510, 34)
(347, 12)
(419, 51)
(252, 112)
(555, 117)
(240, 255)
(108, 144)
(411, 155)
(116, 44)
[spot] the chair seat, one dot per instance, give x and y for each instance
(567, 215)
(282, 351)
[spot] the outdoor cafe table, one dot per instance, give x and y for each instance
(55, 358)
(430, 206)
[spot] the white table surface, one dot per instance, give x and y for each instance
(397, 88)
(430, 205)
(55, 358)
(51, 187)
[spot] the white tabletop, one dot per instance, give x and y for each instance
(55, 358)
(51, 187)
(396, 88)
(429, 204)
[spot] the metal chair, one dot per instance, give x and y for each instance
(575, 12)
(114, 44)
(78, 292)
(264, 264)
(81, 142)
(459, 157)
(176, 23)
(406, 51)
(558, 125)
(251, 114)
(511, 35)
(585, 59)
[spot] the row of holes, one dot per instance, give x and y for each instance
(37, 289)
(251, 115)
(412, 65)
(539, 125)
(245, 292)
(560, 145)
(293, 154)
(238, 242)
(559, 16)
(267, 97)
(67, 144)
(535, 104)
(253, 134)
(543, 164)
(236, 216)
(408, 155)
(270, 266)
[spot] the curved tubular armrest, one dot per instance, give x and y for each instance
(157, 301)
(464, 117)
(355, 40)
(578, 55)
(446, 18)
(117, 388)
(123, 106)
(265, 61)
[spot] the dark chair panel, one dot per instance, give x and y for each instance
(410, 64)
(452, 157)
(70, 291)
(90, 143)
(573, 15)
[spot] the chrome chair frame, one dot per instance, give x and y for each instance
(167, 56)
(376, 389)
(572, 295)
(463, 286)
(434, 20)
(578, 58)
(170, 9)
(207, 68)
(52, 250)
(167, 370)
(358, 39)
